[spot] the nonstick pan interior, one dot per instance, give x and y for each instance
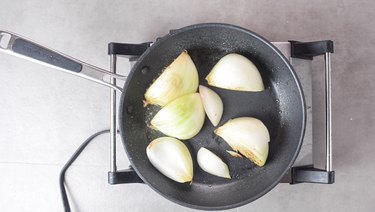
(280, 106)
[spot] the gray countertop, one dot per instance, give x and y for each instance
(45, 114)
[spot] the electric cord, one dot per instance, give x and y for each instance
(71, 160)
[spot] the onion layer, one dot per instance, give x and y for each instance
(212, 164)
(234, 154)
(212, 104)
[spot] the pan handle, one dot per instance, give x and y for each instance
(30, 50)
(308, 50)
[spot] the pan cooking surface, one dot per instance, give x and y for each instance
(262, 105)
(280, 106)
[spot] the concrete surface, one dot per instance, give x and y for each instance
(46, 114)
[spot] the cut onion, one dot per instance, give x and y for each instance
(247, 135)
(183, 118)
(172, 158)
(178, 79)
(212, 164)
(212, 104)
(235, 72)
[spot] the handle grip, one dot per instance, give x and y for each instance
(36, 52)
(30, 50)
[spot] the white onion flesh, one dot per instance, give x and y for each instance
(235, 72)
(178, 79)
(212, 103)
(247, 135)
(212, 164)
(172, 158)
(182, 118)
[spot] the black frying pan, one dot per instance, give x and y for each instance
(280, 106)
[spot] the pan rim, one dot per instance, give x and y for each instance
(300, 92)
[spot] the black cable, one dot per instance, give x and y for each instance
(67, 165)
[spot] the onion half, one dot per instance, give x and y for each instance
(183, 118)
(247, 135)
(178, 79)
(172, 158)
(235, 72)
